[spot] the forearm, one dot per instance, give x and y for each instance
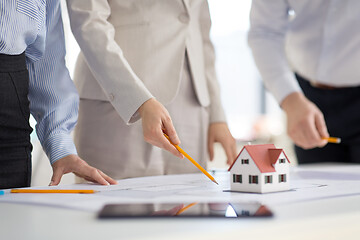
(268, 26)
(52, 94)
(96, 38)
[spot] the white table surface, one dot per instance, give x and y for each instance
(328, 218)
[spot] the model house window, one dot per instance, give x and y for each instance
(253, 179)
(282, 178)
(237, 178)
(282, 160)
(245, 213)
(244, 161)
(268, 179)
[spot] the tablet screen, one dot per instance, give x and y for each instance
(194, 209)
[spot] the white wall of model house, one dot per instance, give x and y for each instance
(244, 170)
(281, 168)
(251, 169)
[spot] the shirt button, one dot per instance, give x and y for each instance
(111, 97)
(184, 18)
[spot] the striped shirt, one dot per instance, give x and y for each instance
(36, 27)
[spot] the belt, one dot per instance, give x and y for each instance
(323, 86)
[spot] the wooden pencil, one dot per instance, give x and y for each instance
(192, 160)
(52, 191)
(332, 139)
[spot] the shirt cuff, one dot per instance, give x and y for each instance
(286, 85)
(217, 113)
(58, 146)
(130, 113)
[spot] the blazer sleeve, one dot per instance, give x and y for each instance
(217, 113)
(96, 38)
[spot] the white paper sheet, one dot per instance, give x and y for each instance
(307, 184)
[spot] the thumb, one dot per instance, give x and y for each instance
(321, 125)
(56, 177)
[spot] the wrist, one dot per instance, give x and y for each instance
(143, 106)
(293, 99)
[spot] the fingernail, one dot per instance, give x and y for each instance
(51, 183)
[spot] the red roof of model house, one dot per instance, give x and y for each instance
(263, 211)
(264, 156)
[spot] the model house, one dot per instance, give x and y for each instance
(261, 169)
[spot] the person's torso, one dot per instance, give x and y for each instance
(23, 27)
(153, 36)
(323, 42)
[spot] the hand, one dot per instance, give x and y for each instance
(155, 121)
(219, 132)
(306, 123)
(73, 163)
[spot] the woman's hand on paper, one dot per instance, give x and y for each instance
(73, 163)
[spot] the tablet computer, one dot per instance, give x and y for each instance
(178, 210)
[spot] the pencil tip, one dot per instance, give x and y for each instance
(215, 182)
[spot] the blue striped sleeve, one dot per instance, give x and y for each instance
(52, 94)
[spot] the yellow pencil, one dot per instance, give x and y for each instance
(332, 139)
(51, 191)
(186, 207)
(192, 160)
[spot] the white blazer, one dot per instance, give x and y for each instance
(132, 50)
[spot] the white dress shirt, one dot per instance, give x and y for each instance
(319, 39)
(35, 27)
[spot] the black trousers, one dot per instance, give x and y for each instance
(341, 109)
(15, 146)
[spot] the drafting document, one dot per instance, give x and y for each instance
(307, 184)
